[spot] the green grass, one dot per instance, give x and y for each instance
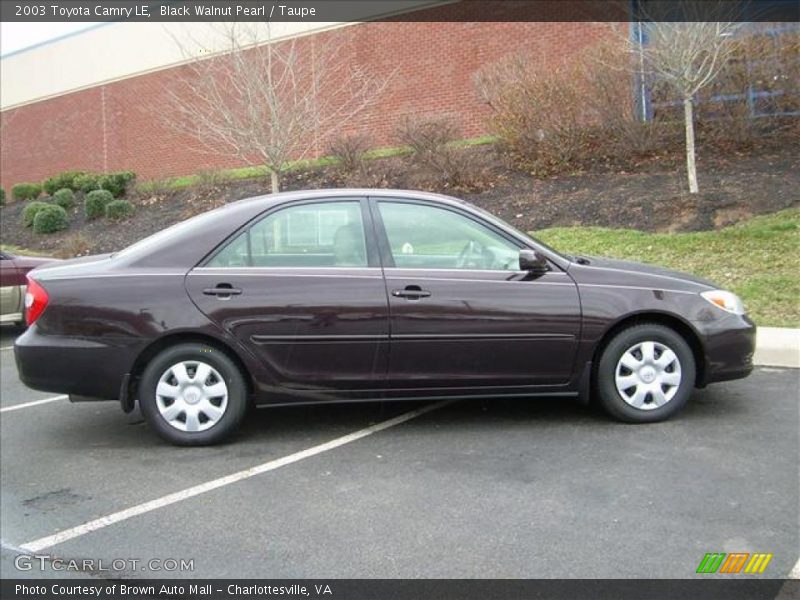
(11, 249)
(176, 183)
(758, 259)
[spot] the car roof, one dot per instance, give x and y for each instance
(281, 197)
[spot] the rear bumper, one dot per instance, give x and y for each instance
(729, 344)
(77, 367)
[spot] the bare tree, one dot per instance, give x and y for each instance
(269, 103)
(688, 56)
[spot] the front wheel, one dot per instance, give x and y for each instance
(193, 395)
(645, 374)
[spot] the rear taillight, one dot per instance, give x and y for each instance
(35, 301)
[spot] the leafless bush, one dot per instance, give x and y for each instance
(434, 150)
(557, 117)
(73, 246)
(349, 151)
(538, 110)
(619, 133)
(209, 179)
(761, 63)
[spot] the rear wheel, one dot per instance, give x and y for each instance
(192, 394)
(645, 374)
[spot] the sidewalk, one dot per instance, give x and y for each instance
(777, 347)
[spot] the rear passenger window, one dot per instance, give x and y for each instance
(327, 234)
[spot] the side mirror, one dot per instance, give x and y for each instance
(533, 262)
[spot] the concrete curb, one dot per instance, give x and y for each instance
(777, 347)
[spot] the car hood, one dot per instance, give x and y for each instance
(629, 266)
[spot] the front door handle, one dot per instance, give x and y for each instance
(411, 292)
(222, 290)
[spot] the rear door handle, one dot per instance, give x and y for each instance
(223, 290)
(411, 292)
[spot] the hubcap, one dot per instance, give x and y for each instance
(191, 396)
(648, 375)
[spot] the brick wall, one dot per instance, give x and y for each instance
(117, 126)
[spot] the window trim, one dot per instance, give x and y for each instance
(373, 259)
(387, 258)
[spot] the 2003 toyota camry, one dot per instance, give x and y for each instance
(348, 295)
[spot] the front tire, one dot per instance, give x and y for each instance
(193, 395)
(646, 374)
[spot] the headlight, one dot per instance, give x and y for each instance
(727, 301)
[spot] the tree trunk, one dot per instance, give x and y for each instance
(691, 165)
(275, 180)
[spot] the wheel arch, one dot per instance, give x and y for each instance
(670, 320)
(171, 339)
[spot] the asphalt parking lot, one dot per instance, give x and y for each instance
(496, 489)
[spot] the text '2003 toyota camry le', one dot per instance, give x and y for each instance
(347, 295)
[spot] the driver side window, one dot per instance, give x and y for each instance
(426, 237)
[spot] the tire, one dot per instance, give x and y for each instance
(211, 409)
(658, 384)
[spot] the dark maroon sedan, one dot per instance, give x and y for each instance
(343, 295)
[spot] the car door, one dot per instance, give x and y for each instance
(11, 286)
(302, 289)
(462, 314)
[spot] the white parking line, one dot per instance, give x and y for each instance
(33, 403)
(139, 509)
(7, 348)
(795, 572)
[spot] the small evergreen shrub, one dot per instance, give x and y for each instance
(2, 197)
(65, 198)
(119, 210)
(29, 213)
(67, 179)
(87, 182)
(95, 203)
(50, 218)
(26, 191)
(116, 183)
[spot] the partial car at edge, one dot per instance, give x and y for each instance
(13, 271)
(355, 295)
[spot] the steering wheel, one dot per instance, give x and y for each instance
(471, 255)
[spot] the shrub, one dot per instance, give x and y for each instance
(433, 150)
(26, 191)
(95, 203)
(2, 197)
(29, 213)
(87, 182)
(539, 110)
(349, 151)
(73, 246)
(116, 183)
(67, 179)
(119, 210)
(65, 198)
(760, 62)
(209, 179)
(50, 218)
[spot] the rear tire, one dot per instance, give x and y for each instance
(193, 395)
(645, 374)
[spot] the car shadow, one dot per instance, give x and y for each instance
(302, 426)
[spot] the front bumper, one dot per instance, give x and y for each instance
(729, 344)
(68, 365)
